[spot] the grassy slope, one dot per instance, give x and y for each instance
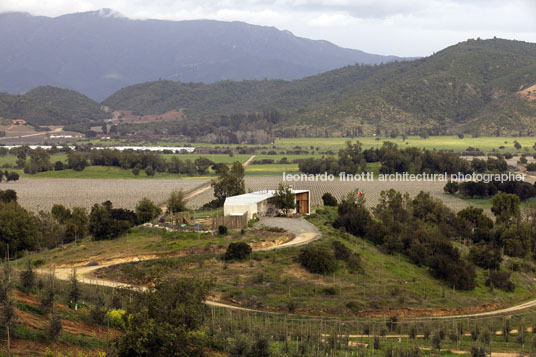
(142, 241)
(273, 280)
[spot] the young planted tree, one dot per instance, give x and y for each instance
(27, 277)
(54, 327)
(74, 290)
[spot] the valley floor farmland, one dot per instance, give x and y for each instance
(341, 189)
(42, 194)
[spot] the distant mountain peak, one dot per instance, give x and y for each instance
(107, 12)
(95, 54)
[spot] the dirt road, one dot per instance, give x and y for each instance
(304, 231)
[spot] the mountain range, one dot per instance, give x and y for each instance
(482, 87)
(477, 86)
(96, 53)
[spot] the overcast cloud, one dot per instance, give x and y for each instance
(398, 27)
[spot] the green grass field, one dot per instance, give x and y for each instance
(485, 144)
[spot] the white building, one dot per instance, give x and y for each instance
(260, 204)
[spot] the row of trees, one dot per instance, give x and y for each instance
(352, 159)
(39, 161)
(479, 189)
(23, 230)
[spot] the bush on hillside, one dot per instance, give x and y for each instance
(237, 251)
(318, 259)
(329, 200)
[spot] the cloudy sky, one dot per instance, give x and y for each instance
(398, 27)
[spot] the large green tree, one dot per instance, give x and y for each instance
(159, 321)
(284, 199)
(229, 183)
(18, 228)
(505, 207)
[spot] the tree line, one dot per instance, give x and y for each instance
(479, 189)
(38, 160)
(353, 159)
(24, 231)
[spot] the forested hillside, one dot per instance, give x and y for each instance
(472, 87)
(50, 106)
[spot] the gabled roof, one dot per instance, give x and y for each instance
(254, 197)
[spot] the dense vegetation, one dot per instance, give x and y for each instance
(25, 231)
(352, 160)
(424, 229)
(479, 189)
(51, 106)
(471, 87)
(467, 88)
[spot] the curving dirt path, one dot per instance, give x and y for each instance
(305, 233)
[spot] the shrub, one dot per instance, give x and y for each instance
(222, 230)
(27, 277)
(329, 200)
(318, 260)
(330, 291)
(237, 251)
(451, 187)
(115, 318)
(500, 280)
(486, 256)
(342, 252)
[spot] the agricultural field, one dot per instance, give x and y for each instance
(450, 142)
(340, 189)
(12, 159)
(485, 144)
(42, 193)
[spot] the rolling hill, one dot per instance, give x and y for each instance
(478, 86)
(47, 105)
(99, 52)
